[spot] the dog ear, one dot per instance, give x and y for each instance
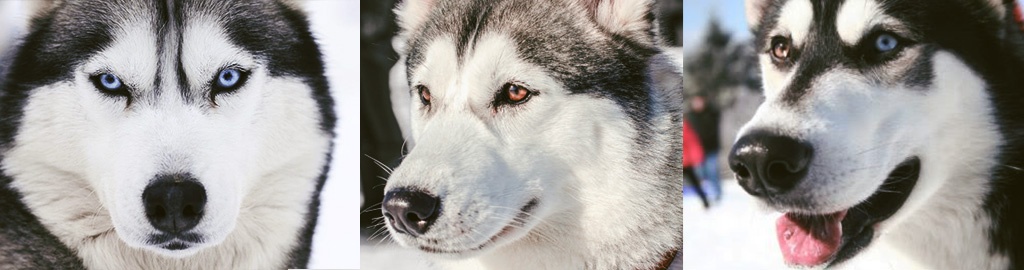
(413, 13)
(755, 10)
(630, 18)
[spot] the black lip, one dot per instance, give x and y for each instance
(187, 237)
(858, 225)
(518, 221)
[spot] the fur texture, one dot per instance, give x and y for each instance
(567, 179)
(948, 94)
(77, 157)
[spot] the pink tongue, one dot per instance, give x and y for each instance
(809, 240)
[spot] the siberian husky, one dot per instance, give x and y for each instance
(163, 134)
(891, 129)
(547, 136)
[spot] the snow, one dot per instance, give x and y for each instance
(336, 240)
(733, 234)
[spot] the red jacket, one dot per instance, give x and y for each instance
(693, 152)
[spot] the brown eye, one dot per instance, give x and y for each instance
(780, 48)
(516, 94)
(512, 94)
(424, 94)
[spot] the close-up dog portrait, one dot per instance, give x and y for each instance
(878, 134)
(541, 134)
(186, 134)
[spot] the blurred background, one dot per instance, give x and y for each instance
(334, 23)
(722, 88)
(381, 137)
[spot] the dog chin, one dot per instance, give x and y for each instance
(495, 242)
(174, 253)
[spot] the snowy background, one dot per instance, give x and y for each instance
(336, 241)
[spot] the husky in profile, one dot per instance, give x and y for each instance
(891, 129)
(163, 134)
(547, 136)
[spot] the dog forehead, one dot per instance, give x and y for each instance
(492, 61)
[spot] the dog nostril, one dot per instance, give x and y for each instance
(157, 212)
(189, 211)
(778, 170)
(412, 212)
(741, 171)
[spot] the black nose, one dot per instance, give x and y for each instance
(411, 212)
(768, 164)
(174, 203)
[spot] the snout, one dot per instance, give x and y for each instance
(767, 164)
(411, 212)
(174, 203)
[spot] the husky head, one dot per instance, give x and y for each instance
(516, 105)
(863, 99)
(165, 121)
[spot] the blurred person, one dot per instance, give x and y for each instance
(705, 120)
(693, 155)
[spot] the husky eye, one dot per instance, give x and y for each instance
(886, 42)
(513, 94)
(780, 49)
(226, 81)
(230, 79)
(424, 94)
(109, 84)
(882, 46)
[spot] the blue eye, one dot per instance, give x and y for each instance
(108, 82)
(886, 43)
(229, 78)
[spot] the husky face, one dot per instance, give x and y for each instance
(858, 93)
(171, 116)
(508, 122)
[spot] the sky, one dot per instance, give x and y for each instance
(697, 13)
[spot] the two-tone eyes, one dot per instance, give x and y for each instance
(509, 94)
(877, 47)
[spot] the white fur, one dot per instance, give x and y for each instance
(82, 159)
(624, 17)
(413, 13)
(570, 152)
(856, 17)
(795, 21)
(943, 224)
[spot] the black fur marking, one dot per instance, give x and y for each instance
(24, 242)
(56, 44)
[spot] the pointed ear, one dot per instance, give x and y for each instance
(755, 10)
(630, 18)
(413, 13)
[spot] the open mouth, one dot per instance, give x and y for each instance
(516, 224)
(812, 240)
